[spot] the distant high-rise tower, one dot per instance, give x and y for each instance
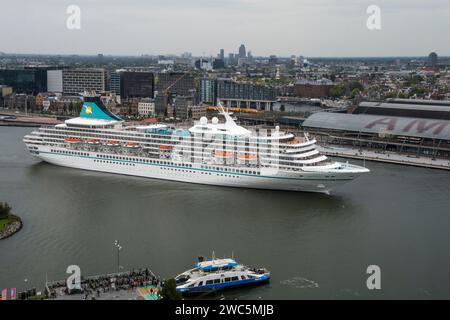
(432, 59)
(222, 54)
(242, 53)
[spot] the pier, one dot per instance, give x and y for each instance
(141, 284)
(385, 156)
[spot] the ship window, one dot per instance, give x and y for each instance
(243, 277)
(234, 278)
(209, 282)
(200, 284)
(216, 280)
(227, 279)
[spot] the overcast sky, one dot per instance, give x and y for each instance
(282, 27)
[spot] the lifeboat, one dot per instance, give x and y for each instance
(246, 156)
(112, 143)
(73, 140)
(223, 154)
(131, 145)
(92, 141)
(165, 147)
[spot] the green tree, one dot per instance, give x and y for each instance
(169, 290)
(354, 93)
(355, 84)
(401, 95)
(5, 210)
(338, 90)
(77, 107)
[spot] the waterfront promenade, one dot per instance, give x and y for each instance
(385, 156)
(139, 284)
(12, 118)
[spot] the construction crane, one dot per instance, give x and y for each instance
(165, 91)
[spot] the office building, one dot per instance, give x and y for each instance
(114, 82)
(237, 95)
(146, 107)
(76, 81)
(27, 80)
(137, 84)
(242, 52)
(313, 88)
(55, 81)
(175, 83)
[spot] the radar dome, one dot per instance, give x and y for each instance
(215, 120)
(203, 120)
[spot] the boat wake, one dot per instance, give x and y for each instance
(300, 283)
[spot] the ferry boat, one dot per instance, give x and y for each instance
(219, 274)
(211, 152)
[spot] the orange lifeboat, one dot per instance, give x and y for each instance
(223, 154)
(73, 140)
(131, 145)
(246, 156)
(112, 143)
(92, 141)
(165, 147)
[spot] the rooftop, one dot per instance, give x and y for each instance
(399, 126)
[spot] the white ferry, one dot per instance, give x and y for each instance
(218, 274)
(210, 152)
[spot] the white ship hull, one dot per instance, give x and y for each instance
(274, 180)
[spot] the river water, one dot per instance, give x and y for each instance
(316, 246)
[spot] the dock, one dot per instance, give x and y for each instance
(385, 156)
(141, 284)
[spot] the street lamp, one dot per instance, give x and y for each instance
(119, 247)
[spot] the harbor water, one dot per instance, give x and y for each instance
(315, 245)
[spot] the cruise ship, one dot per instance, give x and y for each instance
(212, 152)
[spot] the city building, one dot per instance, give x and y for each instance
(161, 102)
(20, 101)
(242, 52)
(55, 81)
(27, 80)
(273, 60)
(184, 108)
(208, 91)
(242, 95)
(313, 88)
(146, 107)
(181, 106)
(416, 127)
(114, 82)
(76, 81)
(203, 64)
(5, 90)
(432, 60)
(136, 84)
(175, 83)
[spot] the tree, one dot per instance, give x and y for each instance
(169, 290)
(5, 210)
(338, 90)
(354, 93)
(355, 84)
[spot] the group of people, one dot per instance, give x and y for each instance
(92, 287)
